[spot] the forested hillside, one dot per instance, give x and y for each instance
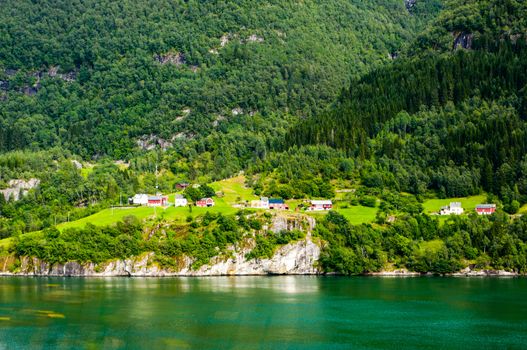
(339, 100)
(106, 78)
(447, 119)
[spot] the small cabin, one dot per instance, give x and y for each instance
(485, 209)
(320, 205)
(205, 202)
(182, 185)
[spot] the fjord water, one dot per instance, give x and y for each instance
(263, 312)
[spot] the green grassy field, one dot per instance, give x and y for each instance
(359, 215)
(468, 203)
(434, 246)
(356, 215)
(234, 191)
(109, 216)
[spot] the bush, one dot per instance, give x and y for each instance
(368, 201)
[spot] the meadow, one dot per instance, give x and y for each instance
(468, 203)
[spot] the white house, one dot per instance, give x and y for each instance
(180, 201)
(319, 205)
(140, 199)
(263, 203)
(454, 208)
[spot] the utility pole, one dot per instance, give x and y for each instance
(157, 183)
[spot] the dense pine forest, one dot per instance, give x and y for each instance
(379, 105)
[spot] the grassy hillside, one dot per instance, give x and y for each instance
(468, 203)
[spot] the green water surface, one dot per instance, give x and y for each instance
(263, 313)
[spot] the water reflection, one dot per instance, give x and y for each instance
(261, 312)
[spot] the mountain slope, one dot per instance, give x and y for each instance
(450, 118)
(96, 77)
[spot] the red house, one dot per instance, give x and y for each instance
(157, 201)
(485, 209)
(205, 202)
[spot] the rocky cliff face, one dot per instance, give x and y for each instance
(294, 258)
(18, 187)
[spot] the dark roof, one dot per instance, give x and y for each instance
(485, 206)
(276, 201)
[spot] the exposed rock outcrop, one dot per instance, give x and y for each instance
(295, 258)
(150, 142)
(471, 272)
(17, 187)
(462, 41)
(410, 4)
(175, 58)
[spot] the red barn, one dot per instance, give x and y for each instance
(157, 201)
(205, 202)
(485, 209)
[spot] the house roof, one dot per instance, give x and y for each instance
(486, 206)
(455, 204)
(264, 199)
(205, 199)
(276, 201)
(156, 198)
(321, 202)
(179, 196)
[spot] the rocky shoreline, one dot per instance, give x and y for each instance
(467, 272)
(139, 267)
(297, 258)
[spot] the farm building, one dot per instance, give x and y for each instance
(454, 208)
(278, 203)
(139, 199)
(205, 202)
(182, 185)
(157, 201)
(485, 209)
(319, 205)
(262, 203)
(180, 201)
